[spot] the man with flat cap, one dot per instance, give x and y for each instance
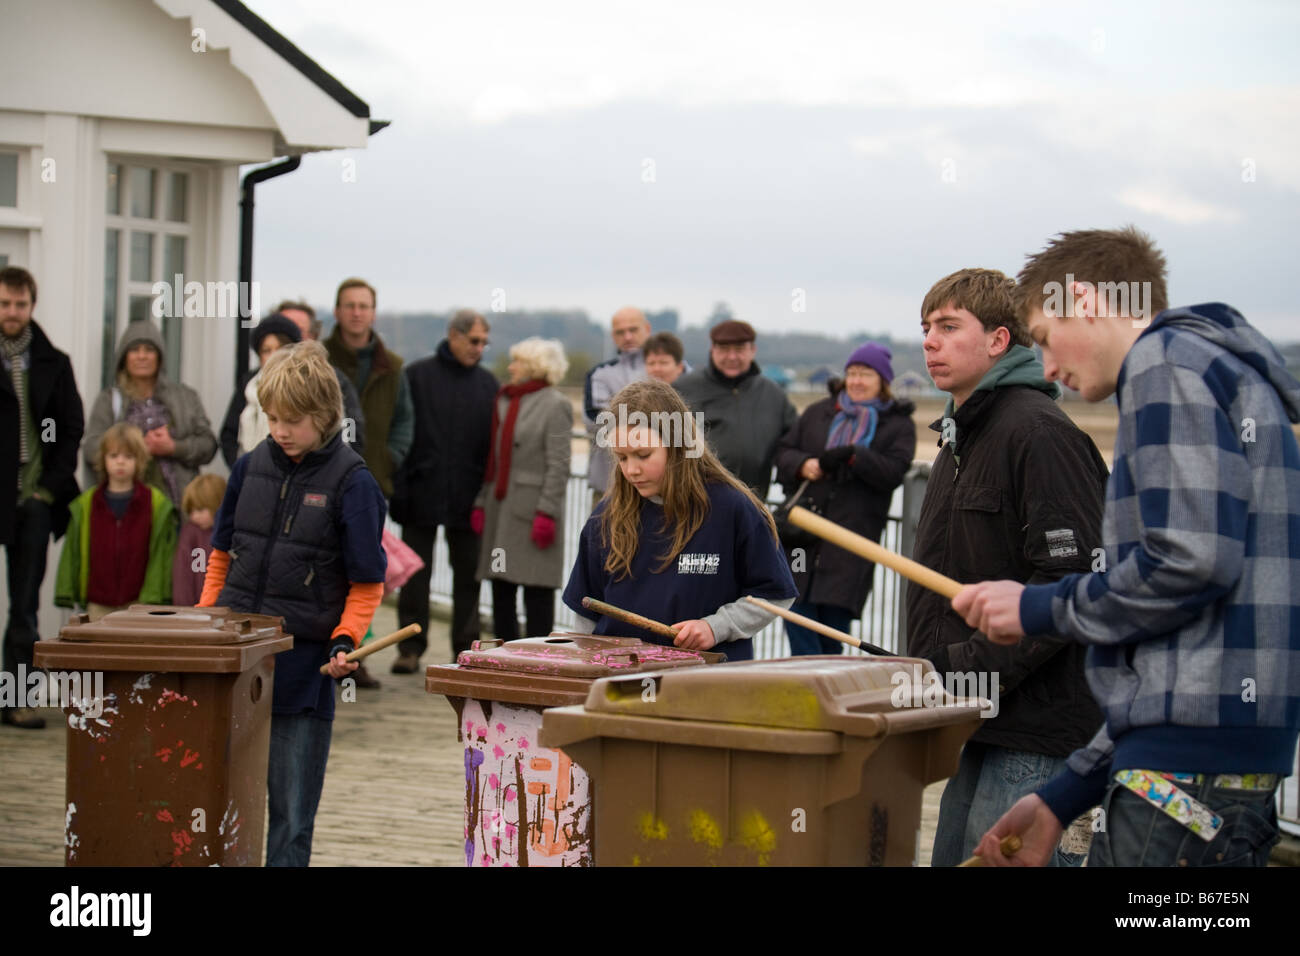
(745, 413)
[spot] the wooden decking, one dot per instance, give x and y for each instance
(394, 791)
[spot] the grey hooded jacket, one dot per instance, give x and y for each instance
(190, 429)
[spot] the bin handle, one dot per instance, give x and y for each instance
(903, 720)
(378, 645)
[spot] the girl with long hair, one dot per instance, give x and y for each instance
(677, 538)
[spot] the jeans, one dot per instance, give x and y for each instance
(413, 598)
(300, 746)
(805, 641)
(539, 610)
(25, 557)
(1135, 833)
(988, 781)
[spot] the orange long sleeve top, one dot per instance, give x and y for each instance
(358, 611)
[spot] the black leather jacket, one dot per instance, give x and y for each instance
(1025, 503)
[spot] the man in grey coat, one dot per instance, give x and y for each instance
(745, 413)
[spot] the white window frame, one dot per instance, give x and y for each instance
(160, 228)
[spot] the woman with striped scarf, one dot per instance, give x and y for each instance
(851, 451)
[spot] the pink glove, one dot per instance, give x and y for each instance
(476, 518)
(543, 531)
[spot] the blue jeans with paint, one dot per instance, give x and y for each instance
(988, 781)
(1135, 833)
(300, 746)
(805, 641)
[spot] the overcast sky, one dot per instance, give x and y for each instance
(590, 154)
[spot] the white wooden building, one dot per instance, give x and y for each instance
(123, 127)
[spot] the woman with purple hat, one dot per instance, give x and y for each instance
(850, 451)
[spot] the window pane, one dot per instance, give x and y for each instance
(142, 192)
(138, 307)
(177, 190)
(173, 257)
(141, 257)
(171, 330)
(113, 203)
(112, 241)
(9, 179)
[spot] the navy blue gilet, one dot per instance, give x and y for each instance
(286, 554)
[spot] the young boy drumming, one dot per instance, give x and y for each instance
(298, 535)
(1193, 625)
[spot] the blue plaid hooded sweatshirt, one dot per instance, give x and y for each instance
(1193, 626)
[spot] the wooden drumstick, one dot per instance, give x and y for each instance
(627, 617)
(819, 627)
(378, 645)
(865, 547)
(1010, 846)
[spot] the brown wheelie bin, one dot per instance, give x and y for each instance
(802, 761)
(167, 749)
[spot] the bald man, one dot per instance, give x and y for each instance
(629, 329)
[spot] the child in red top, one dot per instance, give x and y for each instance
(121, 533)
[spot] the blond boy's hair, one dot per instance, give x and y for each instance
(298, 381)
(122, 437)
(205, 491)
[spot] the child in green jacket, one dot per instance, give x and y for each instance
(121, 536)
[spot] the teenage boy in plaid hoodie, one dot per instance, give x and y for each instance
(1193, 621)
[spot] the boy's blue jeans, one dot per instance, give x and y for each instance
(1135, 833)
(300, 746)
(988, 781)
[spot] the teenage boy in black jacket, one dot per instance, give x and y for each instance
(1015, 492)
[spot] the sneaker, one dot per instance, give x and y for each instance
(406, 664)
(23, 717)
(363, 678)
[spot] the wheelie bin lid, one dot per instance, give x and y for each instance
(769, 705)
(149, 637)
(551, 671)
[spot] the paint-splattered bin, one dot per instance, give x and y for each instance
(525, 804)
(805, 761)
(167, 756)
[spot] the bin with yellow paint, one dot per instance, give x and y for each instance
(803, 761)
(527, 804)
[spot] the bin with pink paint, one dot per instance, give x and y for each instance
(167, 750)
(525, 804)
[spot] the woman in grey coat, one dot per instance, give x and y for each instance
(520, 509)
(176, 429)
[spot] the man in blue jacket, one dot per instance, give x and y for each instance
(1192, 614)
(452, 394)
